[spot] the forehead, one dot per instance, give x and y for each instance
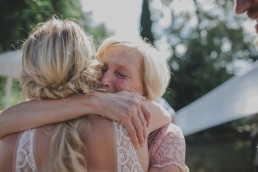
(122, 54)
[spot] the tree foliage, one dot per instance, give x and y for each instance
(205, 39)
(146, 22)
(19, 17)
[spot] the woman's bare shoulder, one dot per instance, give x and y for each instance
(7, 149)
(100, 141)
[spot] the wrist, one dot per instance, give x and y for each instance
(95, 101)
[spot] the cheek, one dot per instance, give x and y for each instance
(139, 88)
(136, 86)
(120, 85)
(127, 85)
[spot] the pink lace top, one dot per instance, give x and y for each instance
(167, 147)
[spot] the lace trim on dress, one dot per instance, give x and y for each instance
(25, 161)
(127, 160)
(167, 147)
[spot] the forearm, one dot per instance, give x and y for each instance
(36, 113)
(159, 116)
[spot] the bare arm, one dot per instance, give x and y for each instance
(159, 116)
(123, 107)
(38, 113)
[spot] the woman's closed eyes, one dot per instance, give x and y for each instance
(117, 73)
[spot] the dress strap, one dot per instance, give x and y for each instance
(25, 153)
(127, 160)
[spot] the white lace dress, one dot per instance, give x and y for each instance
(127, 160)
(25, 161)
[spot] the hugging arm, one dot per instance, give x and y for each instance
(124, 107)
(159, 116)
(37, 113)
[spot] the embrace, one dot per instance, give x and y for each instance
(89, 111)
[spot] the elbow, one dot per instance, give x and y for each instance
(170, 119)
(168, 116)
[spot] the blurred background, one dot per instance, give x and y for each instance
(210, 51)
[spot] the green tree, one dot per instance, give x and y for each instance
(204, 42)
(146, 23)
(19, 17)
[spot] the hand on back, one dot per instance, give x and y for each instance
(128, 109)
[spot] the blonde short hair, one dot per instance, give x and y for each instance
(155, 71)
(58, 61)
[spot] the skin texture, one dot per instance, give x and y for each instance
(125, 107)
(125, 79)
(121, 70)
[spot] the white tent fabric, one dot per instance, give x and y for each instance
(234, 99)
(10, 67)
(10, 64)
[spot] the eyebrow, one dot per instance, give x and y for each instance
(123, 67)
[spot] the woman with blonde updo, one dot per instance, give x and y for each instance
(58, 61)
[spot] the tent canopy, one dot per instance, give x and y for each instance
(10, 64)
(234, 99)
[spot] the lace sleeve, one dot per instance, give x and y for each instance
(167, 147)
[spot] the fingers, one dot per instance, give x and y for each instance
(132, 115)
(132, 133)
(143, 123)
(135, 126)
(139, 130)
(146, 114)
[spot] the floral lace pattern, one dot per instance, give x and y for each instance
(127, 160)
(25, 161)
(167, 147)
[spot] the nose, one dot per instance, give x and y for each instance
(105, 80)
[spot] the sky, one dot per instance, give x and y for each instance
(123, 18)
(120, 16)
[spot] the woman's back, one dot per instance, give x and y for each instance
(103, 142)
